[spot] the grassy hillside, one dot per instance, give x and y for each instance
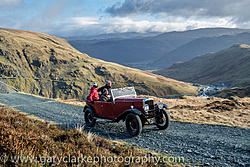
(201, 46)
(227, 66)
(49, 66)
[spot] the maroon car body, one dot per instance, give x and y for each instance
(136, 111)
(112, 110)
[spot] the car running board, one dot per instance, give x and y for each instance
(103, 120)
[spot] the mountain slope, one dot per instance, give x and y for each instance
(228, 66)
(201, 46)
(50, 66)
(122, 51)
(145, 50)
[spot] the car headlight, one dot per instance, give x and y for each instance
(160, 105)
(146, 108)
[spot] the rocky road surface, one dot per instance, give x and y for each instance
(210, 145)
(4, 88)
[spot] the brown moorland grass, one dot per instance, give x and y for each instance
(25, 137)
(213, 110)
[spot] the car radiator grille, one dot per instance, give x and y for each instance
(150, 103)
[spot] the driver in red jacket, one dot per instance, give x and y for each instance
(93, 96)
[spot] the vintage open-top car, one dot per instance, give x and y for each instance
(126, 106)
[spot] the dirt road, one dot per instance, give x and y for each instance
(208, 144)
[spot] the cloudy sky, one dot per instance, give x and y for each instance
(91, 17)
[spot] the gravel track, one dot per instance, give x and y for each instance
(212, 145)
(4, 88)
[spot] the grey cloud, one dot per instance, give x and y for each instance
(238, 10)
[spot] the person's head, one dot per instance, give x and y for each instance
(95, 85)
(105, 91)
(108, 83)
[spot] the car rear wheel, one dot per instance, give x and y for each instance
(133, 124)
(162, 121)
(89, 117)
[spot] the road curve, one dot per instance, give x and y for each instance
(212, 145)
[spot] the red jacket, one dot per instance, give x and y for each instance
(93, 94)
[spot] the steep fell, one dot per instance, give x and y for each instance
(49, 66)
(231, 65)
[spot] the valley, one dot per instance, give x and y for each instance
(163, 50)
(229, 66)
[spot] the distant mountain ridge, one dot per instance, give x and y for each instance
(146, 50)
(125, 35)
(230, 65)
(200, 47)
(203, 32)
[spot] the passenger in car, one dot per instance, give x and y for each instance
(105, 95)
(93, 96)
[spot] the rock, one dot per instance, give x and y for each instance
(196, 152)
(207, 164)
(208, 155)
(237, 146)
(234, 98)
(4, 88)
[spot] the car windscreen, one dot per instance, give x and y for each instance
(123, 92)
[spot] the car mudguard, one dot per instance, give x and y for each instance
(88, 106)
(124, 115)
(165, 106)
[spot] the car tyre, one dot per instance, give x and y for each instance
(143, 121)
(163, 123)
(133, 124)
(89, 117)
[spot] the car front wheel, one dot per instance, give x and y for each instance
(162, 121)
(133, 124)
(89, 117)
